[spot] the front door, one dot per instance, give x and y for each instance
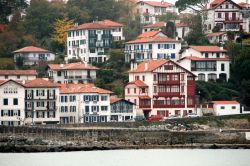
(146, 113)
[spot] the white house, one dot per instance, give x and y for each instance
(91, 41)
(207, 62)
(84, 103)
(121, 109)
(226, 107)
(151, 10)
(161, 87)
(227, 15)
(33, 55)
(18, 74)
(217, 37)
(41, 102)
(152, 45)
(182, 29)
(12, 103)
(159, 25)
(72, 73)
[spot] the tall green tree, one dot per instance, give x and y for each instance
(194, 5)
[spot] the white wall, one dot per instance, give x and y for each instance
(228, 110)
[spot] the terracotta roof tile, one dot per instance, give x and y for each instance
(40, 83)
(225, 102)
(151, 65)
(154, 39)
(215, 34)
(105, 24)
(18, 72)
(82, 88)
(72, 66)
(31, 49)
(158, 4)
(148, 34)
(207, 48)
(216, 3)
(114, 99)
(156, 25)
(138, 83)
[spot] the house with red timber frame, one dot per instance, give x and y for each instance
(161, 87)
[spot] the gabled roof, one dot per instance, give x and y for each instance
(158, 4)
(2, 82)
(31, 49)
(156, 25)
(217, 3)
(207, 48)
(40, 83)
(155, 39)
(72, 66)
(225, 102)
(105, 24)
(18, 72)
(82, 88)
(215, 34)
(195, 58)
(149, 34)
(151, 65)
(138, 83)
(114, 99)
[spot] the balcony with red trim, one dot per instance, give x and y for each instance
(168, 106)
(169, 82)
(144, 102)
(168, 94)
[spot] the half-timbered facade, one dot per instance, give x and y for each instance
(161, 87)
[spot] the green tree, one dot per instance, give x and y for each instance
(194, 5)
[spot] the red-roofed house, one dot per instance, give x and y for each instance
(152, 45)
(217, 37)
(72, 73)
(227, 15)
(151, 10)
(91, 41)
(18, 74)
(33, 55)
(207, 62)
(84, 103)
(161, 87)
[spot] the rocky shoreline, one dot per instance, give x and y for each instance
(26, 145)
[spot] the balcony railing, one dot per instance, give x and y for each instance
(168, 94)
(168, 106)
(170, 82)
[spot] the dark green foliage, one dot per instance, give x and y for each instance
(170, 29)
(216, 29)
(195, 5)
(19, 61)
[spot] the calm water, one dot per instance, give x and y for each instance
(130, 158)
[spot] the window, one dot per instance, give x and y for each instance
(15, 101)
(5, 101)
(128, 91)
(217, 55)
(134, 90)
(222, 67)
(59, 73)
(206, 55)
(201, 77)
(172, 55)
(219, 15)
(222, 107)
(135, 101)
(104, 108)
(233, 107)
(143, 78)
(168, 67)
(104, 98)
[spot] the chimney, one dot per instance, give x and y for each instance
(23, 82)
(146, 66)
(221, 48)
(61, 65)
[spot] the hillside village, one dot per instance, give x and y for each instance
(147, 60)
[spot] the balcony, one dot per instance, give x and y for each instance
(168, 106)
(232, 20)
(169, 82)
(168, 94)
(78, 77)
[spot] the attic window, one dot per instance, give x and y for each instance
(142, 3)
(168, 67)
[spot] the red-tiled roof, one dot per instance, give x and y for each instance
(31, 49)
(243, 4)
(154, 39)
(148, 66)
(156, 25)
(158, 4)
(215, 34)
(208, 48)
(2, 82)
(110, 23)
(195, 58)
(40, 83)
(217, 3)
(105, 24)
(72, 66)
(225, 102)
(138, 83)
(114, 99)
(18, 72)
(81, 88)
(148, 34)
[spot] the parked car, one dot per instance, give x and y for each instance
(192, 115)
(174, 117)
(155, 118)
